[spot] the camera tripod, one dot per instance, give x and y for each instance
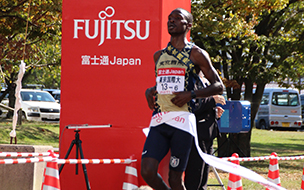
(77, 142)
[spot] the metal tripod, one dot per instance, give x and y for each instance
(77, 142)
(217, 177)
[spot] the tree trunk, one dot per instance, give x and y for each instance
(19, 120)
(11, 98)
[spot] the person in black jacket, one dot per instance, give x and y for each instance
(196, 174)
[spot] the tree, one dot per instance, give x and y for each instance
(30, 30)
(253, 42)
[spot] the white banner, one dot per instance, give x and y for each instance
(18, 97)
(234, 168)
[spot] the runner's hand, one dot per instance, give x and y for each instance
(181, 98)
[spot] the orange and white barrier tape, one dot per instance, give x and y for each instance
(290, 158)
(26, 160)
(95, 161)
(23, 154)
(65, 161)
(244, 159)
(247, 158)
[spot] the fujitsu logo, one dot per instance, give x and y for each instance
(103, 27)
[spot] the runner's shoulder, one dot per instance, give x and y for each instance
(197, 54)
(198, 51)
(156, 55)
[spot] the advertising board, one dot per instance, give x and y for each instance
(107, 64)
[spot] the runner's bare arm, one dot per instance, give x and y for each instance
(201, 59)
(156, 55)
(150, 92)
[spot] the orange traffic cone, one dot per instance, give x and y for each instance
(51, 175)
(131, 180)
(235, 181)
(273, 172)
(302, 184)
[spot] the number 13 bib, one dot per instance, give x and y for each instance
(170, 80)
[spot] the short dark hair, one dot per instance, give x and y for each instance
(187, 14)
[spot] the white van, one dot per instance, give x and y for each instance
(280, 107)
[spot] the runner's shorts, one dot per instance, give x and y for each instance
(164, 137)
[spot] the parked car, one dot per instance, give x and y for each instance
(33, 86)
(302, 107)
(56, 95)
(280, 107)
(54, 92)
(3, 112)
(39, 105)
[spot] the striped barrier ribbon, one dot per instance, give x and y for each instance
(247, 158)
(241, 159)
(23, 154)
(95, 161)
(264, 158)
(291, 158)
(66, 161)
(26, 160)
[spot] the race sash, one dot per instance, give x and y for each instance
(184, 121)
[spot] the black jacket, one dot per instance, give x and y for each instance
(206, 120)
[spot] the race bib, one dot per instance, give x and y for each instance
(170, 80)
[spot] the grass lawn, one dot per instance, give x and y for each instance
(31, 133)
(263, 143)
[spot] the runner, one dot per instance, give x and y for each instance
(172, 123)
